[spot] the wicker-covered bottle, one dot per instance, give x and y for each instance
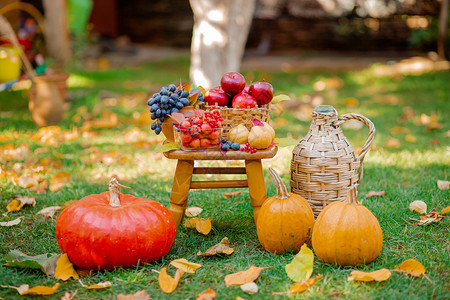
(324, 165)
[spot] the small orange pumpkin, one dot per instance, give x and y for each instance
(347, 233)
(285, 220)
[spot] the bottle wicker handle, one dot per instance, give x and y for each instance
(369, 140)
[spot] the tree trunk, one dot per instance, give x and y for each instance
(218, 41)
(443, 18)
(57, 36)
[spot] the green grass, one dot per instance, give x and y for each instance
(406, 174)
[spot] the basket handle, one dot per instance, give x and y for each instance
(369, 140)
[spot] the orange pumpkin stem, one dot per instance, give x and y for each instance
(351, 197)
(282, 192)
(113, 187)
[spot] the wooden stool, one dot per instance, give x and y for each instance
(182, 181)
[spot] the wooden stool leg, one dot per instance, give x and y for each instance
(180, 190)
(256, 185)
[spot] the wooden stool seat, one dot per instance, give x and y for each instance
(183, 182)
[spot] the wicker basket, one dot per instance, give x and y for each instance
(234, 116)
(324, 165)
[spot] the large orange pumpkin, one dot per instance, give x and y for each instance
(285, 220)
(347, 233)
(112, 229)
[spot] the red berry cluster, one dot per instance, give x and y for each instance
(248, 148)
(200, 131)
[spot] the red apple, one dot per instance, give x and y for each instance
(243, 100)
(262, 91)
(214, 134)
(232, 83)
(216, 95)
(206, 128)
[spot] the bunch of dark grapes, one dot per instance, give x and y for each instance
(169, 100)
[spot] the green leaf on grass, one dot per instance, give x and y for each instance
(166, 147)
(45, 262)
(301, 266)
(280, 98)
(285, 142)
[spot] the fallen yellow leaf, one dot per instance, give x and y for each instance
(202, 225)
(418, 206)
(207, 294)
(351, 101)
(58, 180)
(14, 205)
(373, 193)
(221, 248)
(10, 152)
(432, 217)
(378, 275)
(410, 138)
(64, 268)
(167, 283)
(411, 267)
(25, 289)
(97, 286)
(185, 265)
(304, 284)
(434, 126)
(243, 277)
(301, 266)
(445, 211)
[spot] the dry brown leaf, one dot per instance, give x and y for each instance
(49, 212)
(411, 267)
(193, 211)
(408, 113)
(445, 211)
(11, 223)
(443, 184)
(185, 265)
(373, 193)
(64, 268)
(69, 296)
(208, 294)
(58, 180)
(243, 277)
(202, 225)
(392, 143)
(19, 201)
(231, 194)
(25, 289)
(167, 283)
(378, 275)
(98, 286)
(434, 126)
(304, 285)
(26, 182)
(418, 206)
(250, 288)
(41, 188)
(434, 142)
(141, 295)
(107, 120)
(397, 130)
(10, 152)
(432, 217)
(221, 248)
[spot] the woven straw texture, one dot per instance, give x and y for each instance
(234, 116)
(324, 165)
